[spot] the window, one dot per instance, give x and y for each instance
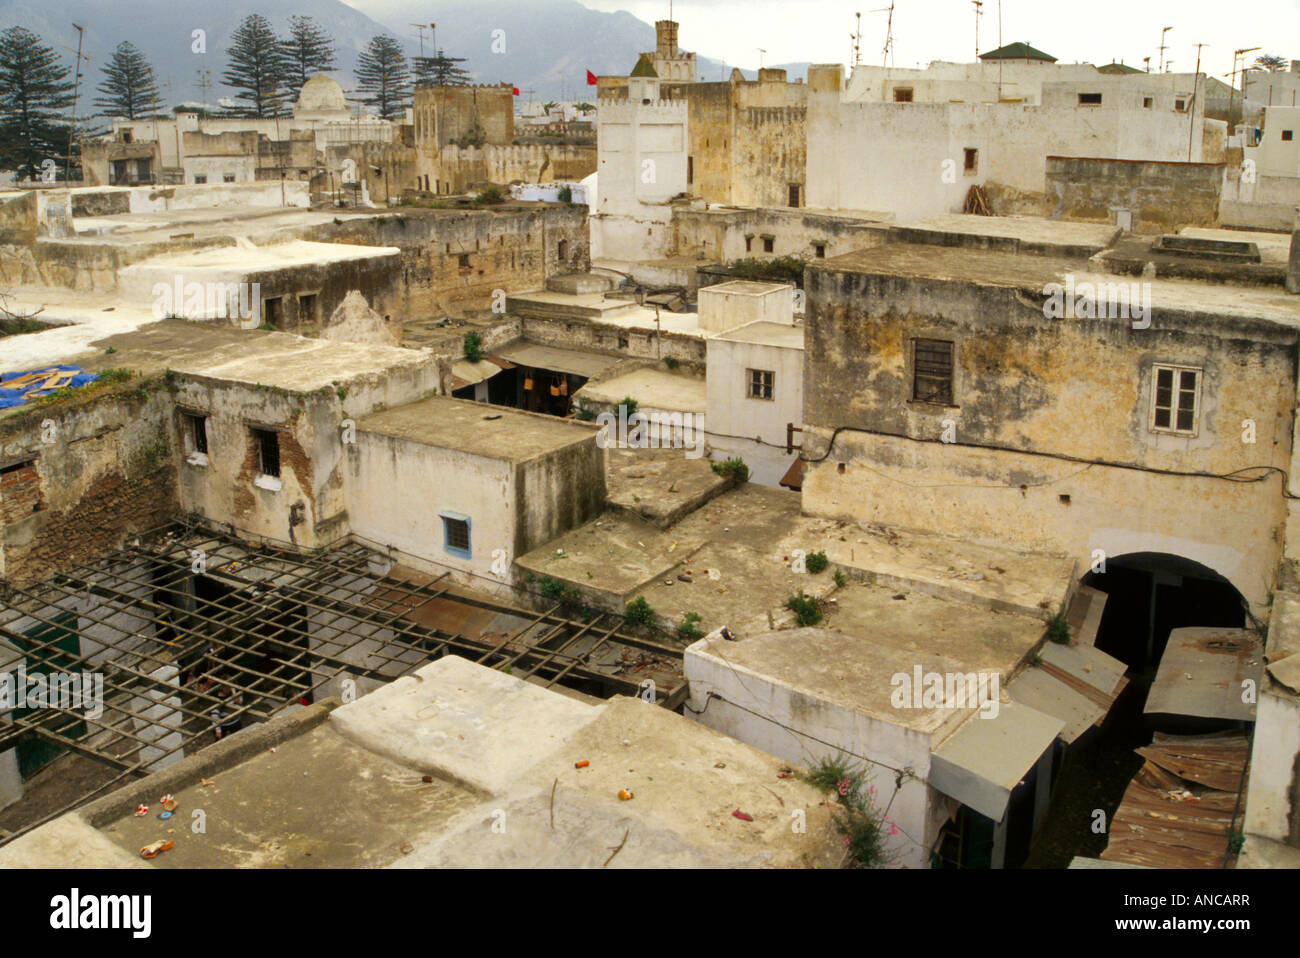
(819, 250)
(1147, 103)
(199, 179)
(1287, 136)
(455, 534)
(195, 433)
(463, 259)
(760, 383)
(228, 178)
(1175, 399)
(307, 308)
(273, 311)
(902, 94)
(20, 491)
(971, 159)
(563, 250)
(794, 196)
(268, 451)
(690, 169)
(769, 244)
(1180, 106)
(127, 136)
(749, 244)
(932, 371)
(1089, 99)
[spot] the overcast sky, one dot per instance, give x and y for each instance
(1097, 31)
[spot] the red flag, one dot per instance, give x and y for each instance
(515, 90)
(591, 78)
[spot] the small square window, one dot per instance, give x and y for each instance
(463, 259)
(902, 94)
(228, 178)
(932, 371)
(1147, 103)
(1089, 99)
(273, 311)
(200, 179)
(268, 452)
(819, 250)
(1180, 106)
(749, 244)
(307, 307)
(455, 534)
(769, 244)
(971, 159)
(1287, 136)
(195, 431)
(1175, 399)
(760, 383)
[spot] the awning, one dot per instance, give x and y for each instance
(793, 478)
(1202, 673)
(465, 373)
(1076, 683)
(986, 758)
(571, 361)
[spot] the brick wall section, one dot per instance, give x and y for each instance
(20, 493)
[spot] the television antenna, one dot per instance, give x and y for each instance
(889, 32)
(979, 12)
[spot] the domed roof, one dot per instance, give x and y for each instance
(322, 94)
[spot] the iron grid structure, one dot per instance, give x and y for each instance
(193, 628)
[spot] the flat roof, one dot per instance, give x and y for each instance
(745, 287)
(1034, 230)
(765, 333)
(261, 259)
(1203, 671)
(344, 787)
(578, 362)
(1032, 274)
(652, 389)
(493, 432)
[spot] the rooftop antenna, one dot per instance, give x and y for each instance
(76, 88)
(999, 47)
(1163, 48)
(1232, 90)
(1147, 61)
(889, 32)
(1191, 107)
(421, 28)
(857, 42)
(979, 12)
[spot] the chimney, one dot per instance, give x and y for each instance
(1293, 265)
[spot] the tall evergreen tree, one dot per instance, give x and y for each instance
(307, 50)
(130, 88)
(439, 70)
(35, 89)
(383, 75)
(256, 68)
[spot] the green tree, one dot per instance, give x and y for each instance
(384, 77)
(130, 88)
(1271, 62)
(307, 51)
(440, 70)
(256, 68)
(34, 91)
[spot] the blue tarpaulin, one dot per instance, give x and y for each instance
(35, 383)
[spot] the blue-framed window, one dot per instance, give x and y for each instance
(456, 534)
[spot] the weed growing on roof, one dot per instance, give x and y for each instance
(1058, 630)
(807, 610)
(639, 613)
(817, 562)
(857, 820)
(689, 630)
(733, 468)
(473, 347)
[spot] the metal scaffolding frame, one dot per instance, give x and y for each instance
(271, 625)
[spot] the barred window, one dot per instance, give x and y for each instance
(760, 383)
(932, 371)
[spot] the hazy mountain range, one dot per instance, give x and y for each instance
(549, 44)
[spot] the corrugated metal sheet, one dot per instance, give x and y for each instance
(560, 360)
(1202, 673)
(1077, 684)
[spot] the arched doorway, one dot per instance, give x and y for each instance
(1148, 595)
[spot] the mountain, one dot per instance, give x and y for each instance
(549, 44)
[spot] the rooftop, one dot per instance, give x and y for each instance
(652, 389)
(493, 432)
(763, 333)
(342, 786)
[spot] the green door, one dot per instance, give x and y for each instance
(34, 752)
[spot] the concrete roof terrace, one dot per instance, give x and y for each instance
(493, 432)
(333, 786)
(1030, 275)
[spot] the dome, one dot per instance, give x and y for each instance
(322, 94)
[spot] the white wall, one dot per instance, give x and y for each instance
(1275, 156)
(732, 413)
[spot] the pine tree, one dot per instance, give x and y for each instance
(307, 50)
(256, 68)
(382, 75)
(130, 88)
(439, 70)
(34, 91)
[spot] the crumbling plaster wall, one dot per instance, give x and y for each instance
(1028, 391)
